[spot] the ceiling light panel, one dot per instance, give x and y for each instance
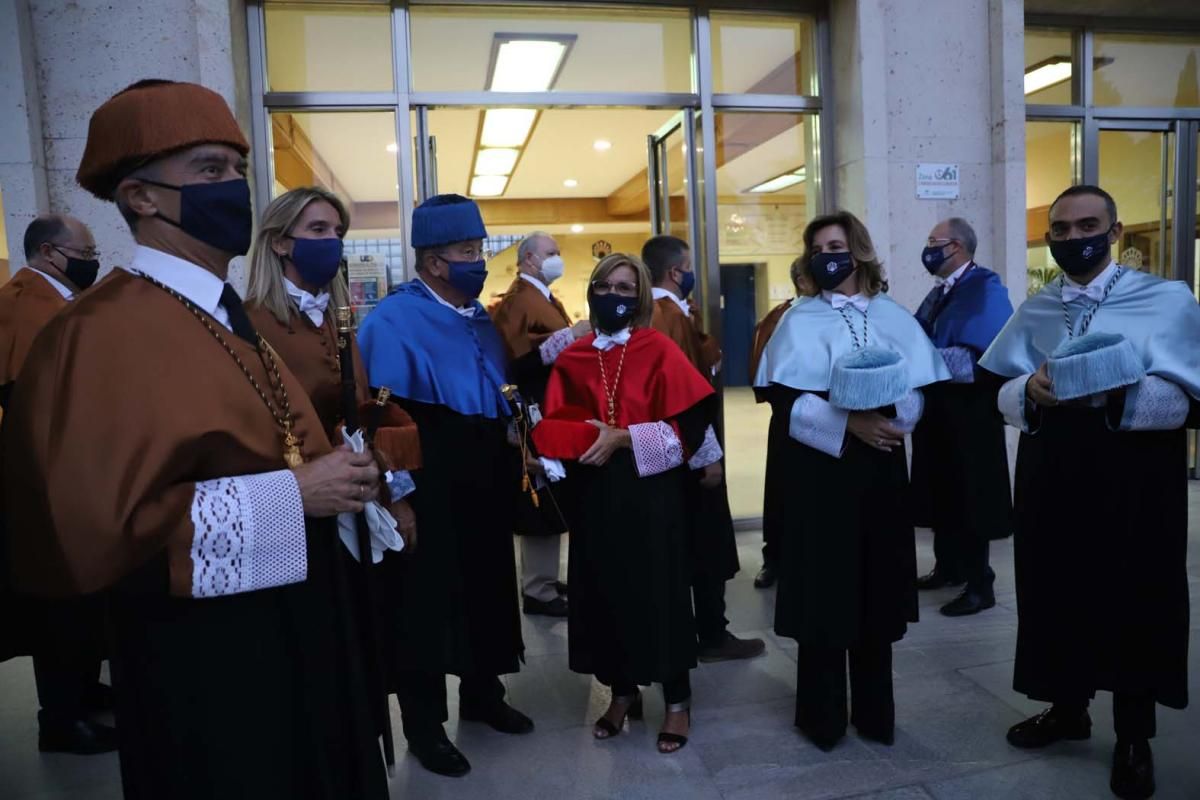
(775, 184)
(488, 185)
(506, 127)
(1047, 74)
(526, 65)
(496, 161)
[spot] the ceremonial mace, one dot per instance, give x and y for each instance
(345, 326)
(520, 413)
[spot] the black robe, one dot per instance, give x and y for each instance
(630, 614)
(1101, 547)
(451, 603)
(777, 484)
(171, 661)
(848, 552)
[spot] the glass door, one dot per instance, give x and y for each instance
(1137, 167)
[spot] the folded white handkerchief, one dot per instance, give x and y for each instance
(381, 524)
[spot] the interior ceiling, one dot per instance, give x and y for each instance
(1137, 9)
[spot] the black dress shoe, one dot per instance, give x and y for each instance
(937, 580)
(766, 577)
(731, 648)
(1052, 725)
(440, 756)
(501, 717)
(546, 608)
(969, 602)
(98, 697)
(79, 736)
(1132, 770)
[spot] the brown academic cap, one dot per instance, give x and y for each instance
(149, 119)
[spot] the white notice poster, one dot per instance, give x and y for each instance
(937, 181)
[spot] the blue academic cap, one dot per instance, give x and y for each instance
(445, 219)
(868, 378)
(1093, 363)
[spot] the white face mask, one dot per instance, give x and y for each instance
(552, 269)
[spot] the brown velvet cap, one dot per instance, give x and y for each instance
(152, 118)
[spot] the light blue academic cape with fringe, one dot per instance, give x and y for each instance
(1159, 318)
(811, 336)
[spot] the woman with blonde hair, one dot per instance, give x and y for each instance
(842, 372)
(626, 410)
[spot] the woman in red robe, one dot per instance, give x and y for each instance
(625, 409)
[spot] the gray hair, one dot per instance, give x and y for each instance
(527, 244)
(962, 232)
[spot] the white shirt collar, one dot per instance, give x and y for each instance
(839, 300)
(191, 280)
(466, 311)
(606, 341)
(1100, 280)
(312, 306)
(541, 287)
(58, 285)
(658, 293)
(951, 279)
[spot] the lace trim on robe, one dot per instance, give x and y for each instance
(656, 448)
(1154, 404)
(552, 348)
(709, 451)
(819, 425)
(1012, 402)
(961, 363)
(249, 534)
(909, 410)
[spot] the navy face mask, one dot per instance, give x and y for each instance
(80, 271)
(687, 283)
(1081, 256)
(613, 311)
(467, 276)
(218, 214)
(934, 257)
(830, 269)
(317, 260)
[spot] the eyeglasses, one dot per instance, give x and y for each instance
(934, 242)
(85, 253)
(623, 288)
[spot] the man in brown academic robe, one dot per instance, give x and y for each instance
(775, 486)
(155, 449)
(536, 328)
(65, 637)
(714, 548)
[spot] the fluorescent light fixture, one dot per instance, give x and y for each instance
(527, 63)
(780, 182)
(496, 161)
(602, 144)
(576, 228)
(1044, 74)
(570, 183)
(506, 127)
(392, 148)
(488, 185)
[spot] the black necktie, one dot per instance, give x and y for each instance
(237, 315)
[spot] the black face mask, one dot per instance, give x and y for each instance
(218, 214)
(80, 271)
(613, 311)
(1081, 256)
(830, 269)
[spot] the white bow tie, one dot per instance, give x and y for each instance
(1071, 293)
(313, 307)
(605, 341)
(839, 300)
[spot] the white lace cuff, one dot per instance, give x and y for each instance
(558, 341)
(1154, 404)
(961, 363)
(656, 448)
(555, 471)
(249, 534)
(816, 423)
(400, 484)
(1011, 402)
(909, 410)
(708, 453)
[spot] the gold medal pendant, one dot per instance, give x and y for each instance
(291, 450)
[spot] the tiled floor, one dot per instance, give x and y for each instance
(954, 701)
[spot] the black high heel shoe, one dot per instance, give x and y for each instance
(666, 738)
(604, 729)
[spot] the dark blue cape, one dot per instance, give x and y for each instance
(426, 352)
(971, 314)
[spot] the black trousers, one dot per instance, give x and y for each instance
(67, 654)
(422, 697)
(675, 690)
(770, 548)
(1134, 715)
(821, 699)
(708, 598)
(963, 556)
(63, 681)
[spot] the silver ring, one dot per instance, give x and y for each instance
(879, 442)
(362, 491)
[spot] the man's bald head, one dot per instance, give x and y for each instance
(50, 231)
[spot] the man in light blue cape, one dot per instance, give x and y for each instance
(1101, 494)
